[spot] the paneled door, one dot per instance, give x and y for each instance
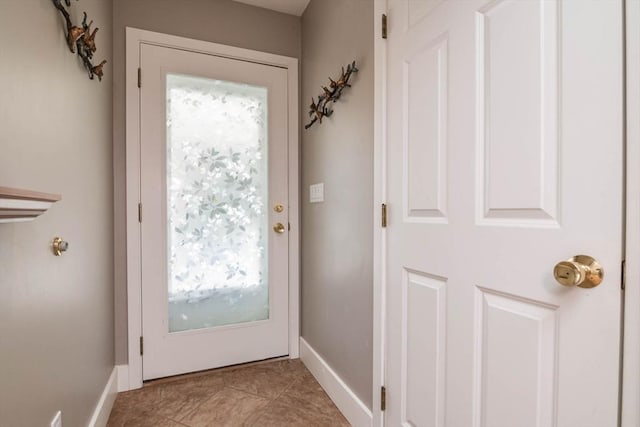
(214, 198)
(505, 158)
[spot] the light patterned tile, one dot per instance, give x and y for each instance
(174, 399)
(279, 415)
(290, 367)
(228, 408)
(308, 395)
(238, 396)
(262, 380)
(122, 416)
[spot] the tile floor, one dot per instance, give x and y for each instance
(271, 394)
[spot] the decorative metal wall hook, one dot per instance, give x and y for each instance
(329, 95)
(81, 39)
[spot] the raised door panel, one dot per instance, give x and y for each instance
(515, 359)
(425, 133)
(517, 113)
(424, 349)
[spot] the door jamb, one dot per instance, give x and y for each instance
(630, 387)
(134, 38)
(379, 197)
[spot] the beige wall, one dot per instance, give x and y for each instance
(337, 235)
(56, 313)
(220, 21)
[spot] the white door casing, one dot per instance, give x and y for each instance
(135, 39)
(504, 156)
(171, 353)
(630, 399)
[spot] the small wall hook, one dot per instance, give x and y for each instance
(59, 246)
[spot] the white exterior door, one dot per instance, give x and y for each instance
(505, 156)
(214, 192)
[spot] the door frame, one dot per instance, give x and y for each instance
(379, 197)
(630, 367)
(134, 38)
(629, 398)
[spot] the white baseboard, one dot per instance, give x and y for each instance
(103, 408)
(123, 378)
(354, 410)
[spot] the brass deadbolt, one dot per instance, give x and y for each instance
(278, 207)
(59, 246)
(581, 270)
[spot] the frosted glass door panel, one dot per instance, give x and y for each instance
(217, 174)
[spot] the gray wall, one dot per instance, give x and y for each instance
(56, 313)
(337, 235)
(219, 21)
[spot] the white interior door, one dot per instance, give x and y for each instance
(505, 156)
(213, 186)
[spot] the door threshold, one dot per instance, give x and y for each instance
(196, 374)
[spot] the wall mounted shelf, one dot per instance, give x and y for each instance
(24, 205)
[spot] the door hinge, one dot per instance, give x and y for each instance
(384, 26)
(623, 275)
(139, 77)
(141, 346)
(139, 212)
(384, 215)
(383, 398)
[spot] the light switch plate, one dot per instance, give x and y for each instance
(316, 193)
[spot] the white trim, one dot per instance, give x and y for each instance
(354, 410)
(123, 378)
(134, 275)
(294, 207)
(103, 408)
(379, 196)
(134, 37)
(630, 405)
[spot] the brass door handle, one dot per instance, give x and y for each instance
(279, 228)
(581, 270)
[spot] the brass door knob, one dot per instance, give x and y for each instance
(581, 270)
(279, 228)
(59, 246)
